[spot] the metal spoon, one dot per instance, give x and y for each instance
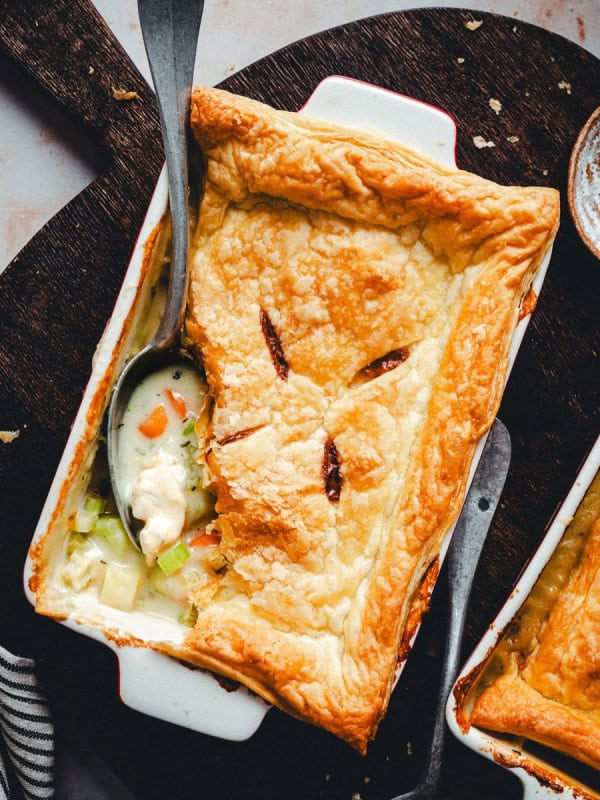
(170, 29)
(463, 557)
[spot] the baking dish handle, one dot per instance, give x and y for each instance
(168, 689)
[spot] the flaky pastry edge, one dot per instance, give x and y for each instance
(365, 179)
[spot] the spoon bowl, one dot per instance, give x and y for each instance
(170, 30)
(147, 361)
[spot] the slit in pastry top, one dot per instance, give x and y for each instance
(331, 471)
(386, 363)
(273, 341)
(339, 251)
(236, 436)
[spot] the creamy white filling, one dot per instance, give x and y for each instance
(158, 499)
(155, 470)
(135, 449)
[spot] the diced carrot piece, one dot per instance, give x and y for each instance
(205, 539)
(155, 423)
(178, 403)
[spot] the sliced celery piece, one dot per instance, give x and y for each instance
(84, 520)
(111, 529)
(86, 517)
(94, 504)
(174, 558)
(188, 427)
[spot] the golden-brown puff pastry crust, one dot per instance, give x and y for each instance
(353, 303)
(554, 697)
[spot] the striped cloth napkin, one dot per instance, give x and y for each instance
(27, 740)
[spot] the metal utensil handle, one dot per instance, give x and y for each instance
(463, 557)
(170, 31)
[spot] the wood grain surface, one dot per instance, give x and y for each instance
(56, 297)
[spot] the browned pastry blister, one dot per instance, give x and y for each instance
(354, 304)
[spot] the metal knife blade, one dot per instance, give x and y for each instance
(477, 513)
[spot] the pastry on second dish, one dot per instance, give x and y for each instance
(550, 688)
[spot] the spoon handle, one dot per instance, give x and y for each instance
(170, 30)
(463, 556)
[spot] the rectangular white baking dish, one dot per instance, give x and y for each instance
(540, 778)
(150, 682)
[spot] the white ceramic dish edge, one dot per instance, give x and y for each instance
(153, 683)
(488, 745)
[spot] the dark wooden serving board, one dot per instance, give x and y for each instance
(56, 297)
